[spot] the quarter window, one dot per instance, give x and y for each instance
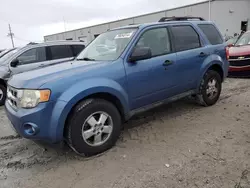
(211, 33)
(157, 40)
(32, 56)
(185, 38)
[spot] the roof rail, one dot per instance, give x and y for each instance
(32, 43)
(185, 18)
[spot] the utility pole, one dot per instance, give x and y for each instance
(11, 35)
(209, 10)
(64, 24)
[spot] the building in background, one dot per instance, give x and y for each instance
(231, 16)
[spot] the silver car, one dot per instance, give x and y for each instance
(35, 56)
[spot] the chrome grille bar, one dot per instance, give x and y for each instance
(12, 97)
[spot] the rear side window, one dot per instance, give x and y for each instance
(211, 33)
(185, 38)
(61, 51)
(77, 49)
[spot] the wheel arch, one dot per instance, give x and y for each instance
(217, 68)
(2, 82)
(216, 65)
(100, 95)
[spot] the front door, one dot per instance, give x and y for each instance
(153, 79)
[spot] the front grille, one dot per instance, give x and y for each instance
(240, 57)
(238, 63)
(12, 97)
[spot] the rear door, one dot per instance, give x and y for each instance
(190, 55)
(30, 59)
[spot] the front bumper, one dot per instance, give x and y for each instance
(243, 71)
(41, 118)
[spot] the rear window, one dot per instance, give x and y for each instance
(211, 33)
(185, 38)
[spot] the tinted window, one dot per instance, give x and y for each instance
(157, 40)
(32, 56)
(77, 49)
(59, 52)
(211, 33)
(185, 38)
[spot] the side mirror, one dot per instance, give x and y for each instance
(140, 53)
(14, 63)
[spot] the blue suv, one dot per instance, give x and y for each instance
(121, 73)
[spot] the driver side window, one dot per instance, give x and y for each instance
(157, 40)
(32, 56)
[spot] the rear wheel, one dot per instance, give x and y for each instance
(210, 88)
(2, 94)
(94, 127)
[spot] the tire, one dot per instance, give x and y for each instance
(3, 92)
(81, 121)
(203, 97)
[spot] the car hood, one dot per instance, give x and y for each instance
(39, 77)
(239, 50)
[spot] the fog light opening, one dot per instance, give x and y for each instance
(30, 129)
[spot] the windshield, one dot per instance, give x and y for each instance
(232, 40)
(3, 52)
(107, 46)
(9, 54)
(244, 40)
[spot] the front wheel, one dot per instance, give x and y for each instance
(210, 88)
(94, 127)
(3, 92)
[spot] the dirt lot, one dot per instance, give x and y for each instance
(177, 145)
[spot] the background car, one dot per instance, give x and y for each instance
(35, 56)
(230, 42)
(239, 57)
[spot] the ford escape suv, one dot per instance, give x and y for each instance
(35, 56)
(85, 101)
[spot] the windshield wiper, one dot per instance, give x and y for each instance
(85, 59)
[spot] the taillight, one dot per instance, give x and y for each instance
(227, 52)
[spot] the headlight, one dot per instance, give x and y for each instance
(31, 98)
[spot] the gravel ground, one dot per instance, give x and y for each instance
(177, 145)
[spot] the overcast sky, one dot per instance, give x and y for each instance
(32, 19)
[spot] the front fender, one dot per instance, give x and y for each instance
(81, 90)
(4, 73)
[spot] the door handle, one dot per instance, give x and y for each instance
(167, 63)
(202, 54)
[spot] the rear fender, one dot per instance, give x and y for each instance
(208, 63)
